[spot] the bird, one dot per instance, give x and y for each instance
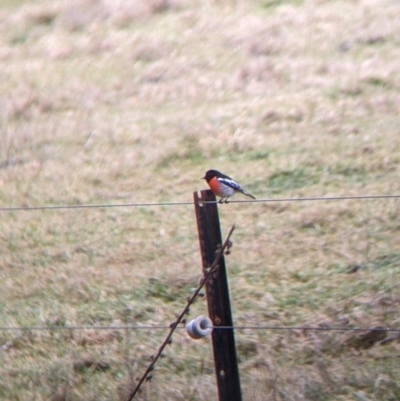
(223, 186)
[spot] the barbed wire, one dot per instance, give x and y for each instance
(162, 327)
(207, 273)
(185, 203)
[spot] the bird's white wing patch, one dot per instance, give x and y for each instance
(231, 183)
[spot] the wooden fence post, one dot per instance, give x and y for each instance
(219, 308)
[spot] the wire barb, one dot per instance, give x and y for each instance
(192, 298)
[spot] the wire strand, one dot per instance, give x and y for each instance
(150, 204)
(162, 327)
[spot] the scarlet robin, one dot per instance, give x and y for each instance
(223, 186)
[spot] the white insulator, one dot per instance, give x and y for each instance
(199, 327)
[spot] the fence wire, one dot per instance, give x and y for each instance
(151, 204)
(162, 327)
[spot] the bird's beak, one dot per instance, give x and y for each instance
(203, 178)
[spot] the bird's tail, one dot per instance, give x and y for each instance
(247, 194)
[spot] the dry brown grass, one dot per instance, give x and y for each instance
(113, 101)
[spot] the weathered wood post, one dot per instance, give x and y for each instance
(219, 308)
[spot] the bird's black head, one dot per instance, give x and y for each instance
(210, 174)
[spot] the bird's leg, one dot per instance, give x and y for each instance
(221, 200)
(226, 200)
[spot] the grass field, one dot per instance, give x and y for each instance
(112, 102)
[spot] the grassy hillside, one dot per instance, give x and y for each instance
(112, 102)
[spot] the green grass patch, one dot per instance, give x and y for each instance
(289, 180)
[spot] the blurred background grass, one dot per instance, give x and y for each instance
(131, 101)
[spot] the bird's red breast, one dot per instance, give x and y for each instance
(215, 186)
